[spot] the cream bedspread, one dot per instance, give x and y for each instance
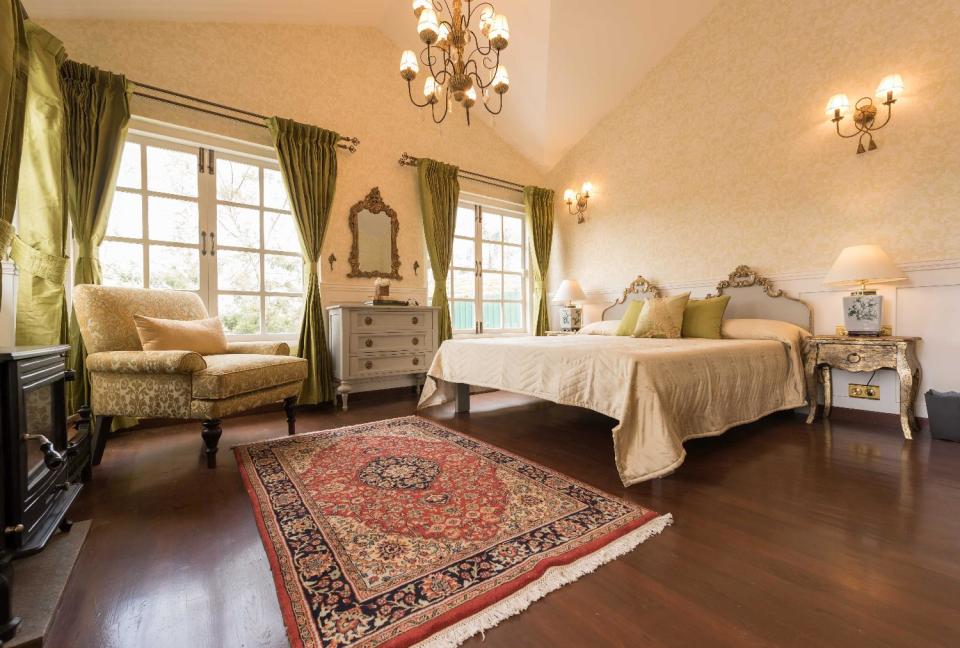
(662, 392)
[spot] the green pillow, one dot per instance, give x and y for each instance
(629, 320)
(702, 317)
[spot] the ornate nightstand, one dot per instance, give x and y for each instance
(825, 352)
(553, 333)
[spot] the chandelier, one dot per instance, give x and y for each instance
(456, 58)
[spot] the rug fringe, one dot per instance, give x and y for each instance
(553, 579)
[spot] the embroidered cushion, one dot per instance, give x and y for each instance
(661, 317)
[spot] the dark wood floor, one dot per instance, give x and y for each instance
(785, 534)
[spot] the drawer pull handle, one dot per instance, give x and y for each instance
(416, 320)
(854, 358)
(368, 343)
(368, 364)
(415, 341)
(416, 361)
(368, 321)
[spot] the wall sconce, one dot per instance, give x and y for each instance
(577, 200)
(865, 112)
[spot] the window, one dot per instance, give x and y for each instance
(488, 272)
(218, 224)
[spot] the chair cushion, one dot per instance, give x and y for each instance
(203, 336)
(238, 373)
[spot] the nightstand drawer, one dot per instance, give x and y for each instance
(379, 365)
(393, 342)
(854, 357)
(392, 321)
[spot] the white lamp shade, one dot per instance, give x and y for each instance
(569, 291)
(863, 264)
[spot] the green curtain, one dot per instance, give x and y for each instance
(308, 161)
(538, 205)
(39, 249)
(439, 193)
(14, 59)
(96, 110)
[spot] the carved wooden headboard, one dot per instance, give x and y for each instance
(755, 297)
(639, 288)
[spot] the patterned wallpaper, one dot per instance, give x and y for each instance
(723, 154)
(342, 78)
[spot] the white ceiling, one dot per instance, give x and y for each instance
(570, 61)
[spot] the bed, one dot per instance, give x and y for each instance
(661, 392)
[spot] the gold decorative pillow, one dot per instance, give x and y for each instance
(661, 317)
(203, 336)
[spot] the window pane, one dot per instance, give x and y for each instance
(512, 287)
(171, 171)
(464, 284)
(491, 227)
(173, 220)
(174, 268)
(238, 226)
(491, 315)
(283, 273)
(512, 316)
(129, 175)
(512, 229)
(464, 253)
(492, 287)
(238, 182)
(465, 222)
(463, 317)
(284, 314)
(274, 193)
(122, 264)
(512, 258)
(280, 232)
(126, 215)
(240, 314)
(492, 256)
(238, 270)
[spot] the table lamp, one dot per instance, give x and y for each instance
(860, 266)
(571, 317)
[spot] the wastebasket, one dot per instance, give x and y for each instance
(943, 408)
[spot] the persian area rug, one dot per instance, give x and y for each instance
(402, 531)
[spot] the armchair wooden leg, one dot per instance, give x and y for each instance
(84, 428)
(211, 436)
(100, 437)
(290, 407)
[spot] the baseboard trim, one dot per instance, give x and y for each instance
(885, 419)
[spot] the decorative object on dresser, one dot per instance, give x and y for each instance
(374, 227)
(860, 265)
(577, 201)
(825, 352)
(380, 347)
(42, 467)
(865, 112)
(569, 293)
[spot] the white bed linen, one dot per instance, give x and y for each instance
(661, 392)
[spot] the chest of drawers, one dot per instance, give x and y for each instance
(380, 347)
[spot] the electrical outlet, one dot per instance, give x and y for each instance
(871, 392)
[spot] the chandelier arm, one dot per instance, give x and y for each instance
(499, 107)
(477, 49)
(480, 6)
(439, 7)
(412, 100)
(446, 108)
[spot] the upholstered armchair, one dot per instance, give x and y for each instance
(125, 380)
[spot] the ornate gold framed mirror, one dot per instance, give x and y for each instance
(374, 227)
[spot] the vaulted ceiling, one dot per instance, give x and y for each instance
(570, 61)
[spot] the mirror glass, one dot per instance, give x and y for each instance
(373, 242)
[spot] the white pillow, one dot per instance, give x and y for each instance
(608, 327)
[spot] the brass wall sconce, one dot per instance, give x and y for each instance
(865, 111)
(577, 200)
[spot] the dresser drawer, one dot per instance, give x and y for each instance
(852, 357)
(390, 321)
(393, 364)
(392, 342)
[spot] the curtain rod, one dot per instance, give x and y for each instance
(409, 160)
(348, 143)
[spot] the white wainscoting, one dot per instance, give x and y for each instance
(927, 305)
(8, 319)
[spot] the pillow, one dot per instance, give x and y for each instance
(600, 328)
(629, 321)
(702, 317)
(204, 336)
(661, 317)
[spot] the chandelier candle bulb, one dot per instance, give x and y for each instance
(420, 5)
(408, 65)
(470, 97)
(499, 32)
(430, 89)
(501, 80)
(428, 27)
(443, 36)
(486, 20)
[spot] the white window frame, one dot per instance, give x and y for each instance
(207, 148)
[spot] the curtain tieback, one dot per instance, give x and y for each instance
(87, 250)
(6, 237)
(39, 264)
(312, 267)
